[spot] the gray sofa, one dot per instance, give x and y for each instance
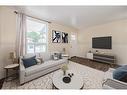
(49, 65)
(110, 83)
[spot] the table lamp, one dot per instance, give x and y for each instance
(12, 56)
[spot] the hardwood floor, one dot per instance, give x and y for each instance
(93, 64)
(1, 82)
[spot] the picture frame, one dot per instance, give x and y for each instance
(56, 36)
(64, 37)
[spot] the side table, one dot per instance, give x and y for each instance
(11, 66)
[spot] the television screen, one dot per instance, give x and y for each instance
(102, 42)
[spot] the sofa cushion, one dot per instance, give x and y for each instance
(29, 61)
(120, 73)
(47, 64)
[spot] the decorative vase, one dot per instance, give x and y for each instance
(64, 72)
(64, 68)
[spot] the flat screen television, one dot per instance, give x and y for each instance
(102, 42)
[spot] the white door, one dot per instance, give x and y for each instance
(73, 43)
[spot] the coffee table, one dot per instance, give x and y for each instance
(76, 80)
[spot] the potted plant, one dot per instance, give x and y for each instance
(64, 68)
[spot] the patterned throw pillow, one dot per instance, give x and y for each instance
(57, 56)
(39, 60)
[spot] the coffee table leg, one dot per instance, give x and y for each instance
(82, 87)
(53, 86)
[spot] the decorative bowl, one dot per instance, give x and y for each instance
(66, 79)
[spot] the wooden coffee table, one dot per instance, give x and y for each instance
(76, 80)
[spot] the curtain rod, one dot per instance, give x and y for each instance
(33, 17)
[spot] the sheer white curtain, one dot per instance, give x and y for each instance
(21, 33)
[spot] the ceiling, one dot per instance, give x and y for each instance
(77, 16)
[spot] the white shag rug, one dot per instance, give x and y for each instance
(92, 79)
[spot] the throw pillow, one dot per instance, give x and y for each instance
(124, 79)
(29, 61)
(60, 55)
(39, 61)
(120, 73)
(55, 56)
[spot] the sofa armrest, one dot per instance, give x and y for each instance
(113, 83)
(109, 82)
(21, 72)
(108, 74)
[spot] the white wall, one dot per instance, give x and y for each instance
(0, 45)
(8, 36)
(118, 31)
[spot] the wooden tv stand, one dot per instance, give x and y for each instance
(105, 58)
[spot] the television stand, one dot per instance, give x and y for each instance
(105, 58)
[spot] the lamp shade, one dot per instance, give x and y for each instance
(12, 55)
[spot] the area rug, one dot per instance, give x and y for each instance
(92, 79)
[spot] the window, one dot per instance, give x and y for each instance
(36, 36)
(73, 37)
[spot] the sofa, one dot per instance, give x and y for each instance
(110, 83)
(49, 65)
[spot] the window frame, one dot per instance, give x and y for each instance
(26, 46)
